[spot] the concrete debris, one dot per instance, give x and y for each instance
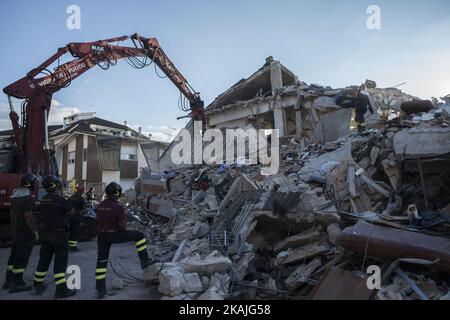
(304, 252)
(171, 281)
(192, 283)
(422, 142)
(302, 274)
(117, 283)
(152, 272)
(209, 265)
(211, 294)
(341, 201)
(182, 296)
(296, 241)
(334, 232)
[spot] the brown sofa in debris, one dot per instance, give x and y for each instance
(391, 244)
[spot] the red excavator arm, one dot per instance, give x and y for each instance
(31, 138)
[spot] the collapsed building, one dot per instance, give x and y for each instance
(341, 204)
(273, 98)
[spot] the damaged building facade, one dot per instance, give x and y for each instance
(274, 98)
(94, 151)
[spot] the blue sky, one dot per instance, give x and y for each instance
(216, 43)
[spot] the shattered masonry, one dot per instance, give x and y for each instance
(340, 203)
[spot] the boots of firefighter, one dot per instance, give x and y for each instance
(101, 284)
(73, 246)
(40, 288)
(8, 278)
(63, 292)
(18, 285)
(103, 292)
(141, 249)
(38, 282)
(361, 127)
(151, 272)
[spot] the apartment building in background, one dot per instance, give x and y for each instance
(95, 151)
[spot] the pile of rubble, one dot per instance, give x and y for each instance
(320, 227)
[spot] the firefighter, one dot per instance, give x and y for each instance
(55, 211)
(354, 98)
(78, 204)
(23, 231)
(111, 227)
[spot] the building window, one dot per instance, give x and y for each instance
(71, 158)
(127, 156)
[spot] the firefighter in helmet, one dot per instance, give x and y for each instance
(23, 232)
(55, 211)
(111, 227)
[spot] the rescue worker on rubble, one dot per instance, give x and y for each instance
(356, 99)
(23, 231)
(55, 211)
(111, 227)
(78, 204)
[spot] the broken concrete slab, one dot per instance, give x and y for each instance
(205, 282)
(393, 171)
(182, 296)
(211, 294)
(351, 180)
(305, 252)
(364, 163)
(374, 155)
(334, 232)
(154, 186)
(339, 155)
(208, 266)
(243, 263)
(376, 186)
(117, 283)
(343, 180)
(171, 281)
(221, 281)
(422, 142)
(161, 207)
(179, 251)
(311, 202)
(324, 171)
(200, 229)
(302, 274)
(192, 283)
(328, 216)
(296, 241)
(152, 271)
(182, 231)
(335, 124)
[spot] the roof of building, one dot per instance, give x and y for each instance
(10, 131)
(258, 84)
(84, 126)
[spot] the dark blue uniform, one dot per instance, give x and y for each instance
(360, 103)
(54, 210)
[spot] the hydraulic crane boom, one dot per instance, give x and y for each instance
(31, 138)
